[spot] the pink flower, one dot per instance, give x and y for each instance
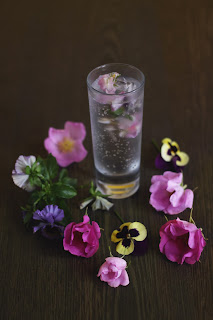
(82, 239)
(66, 144)
(107, 82)
(113, 272)
(130, 128)
(181, 241)
(168, 195)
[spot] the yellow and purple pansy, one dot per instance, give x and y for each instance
(131, 237)
(170, 157)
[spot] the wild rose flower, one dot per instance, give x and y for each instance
(131, 237)
(107, 82)
(19, 175)
(66, 144)
(130, 128)
(113, 271)
(50, 216)
(181, 241)
(170, 157)
(82, 239)
(168, 195)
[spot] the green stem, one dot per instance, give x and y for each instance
(118, 216)
(155, 145)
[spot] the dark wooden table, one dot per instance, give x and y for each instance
(47, 50)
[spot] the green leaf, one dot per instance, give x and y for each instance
(63, 173)
(28, 216)
(92, 189)
(52, 166)
(67, 213)
(118, 112)
(27, 170)
(69, 181)
(63, 191)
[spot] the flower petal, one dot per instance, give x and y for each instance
(141, 230)
(75, 130)
(123, 249)
(184, 158)
(164, 152)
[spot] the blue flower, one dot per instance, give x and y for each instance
(50, 216)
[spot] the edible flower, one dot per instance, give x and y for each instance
(23, 168)
(50, 216)
(82, 239)
(168, 194)
(113, 271)
(181, 241)
(100, 201)
(107, 82)
(130, 237)
(66, 144)
(130, 128)
(170, 157)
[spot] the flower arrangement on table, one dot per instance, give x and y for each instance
(51, 189)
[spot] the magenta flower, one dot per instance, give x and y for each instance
(168, 195)
(113, 272)
(82, 239)
(107, 82)
(66, 144)
(181, 241)
(130, 128)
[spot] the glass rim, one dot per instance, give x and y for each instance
(114, 94)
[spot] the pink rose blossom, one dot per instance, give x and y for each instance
(168, 195)
(130, 128)
(113, 272)
(82, 239)
(66, 144)
(181, 241)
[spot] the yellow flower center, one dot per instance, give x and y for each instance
(66, 145)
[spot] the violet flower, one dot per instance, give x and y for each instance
(66, 144)
(168, 195)
(170, 157)
(19, 175)
(50, 216)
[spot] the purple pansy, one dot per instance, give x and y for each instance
(66, 144)
(171, 158)
(50, 216)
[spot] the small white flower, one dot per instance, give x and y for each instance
(19, 176)
(101, 203)
(85, 203)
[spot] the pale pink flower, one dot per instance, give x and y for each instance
(130, 128)
(107, 82)
(113, 271)
(66, 144)
(168, 195)
(19, 175)
(181, 241)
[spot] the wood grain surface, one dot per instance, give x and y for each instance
(47, 50)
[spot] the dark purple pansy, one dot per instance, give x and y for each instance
(131, 238)
(171, 158)
(50, 216)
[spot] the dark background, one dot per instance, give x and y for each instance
(47, 50)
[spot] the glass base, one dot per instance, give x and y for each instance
(118, 191)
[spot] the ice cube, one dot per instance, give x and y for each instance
(122, 85)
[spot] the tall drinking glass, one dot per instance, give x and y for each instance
(116, 94)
